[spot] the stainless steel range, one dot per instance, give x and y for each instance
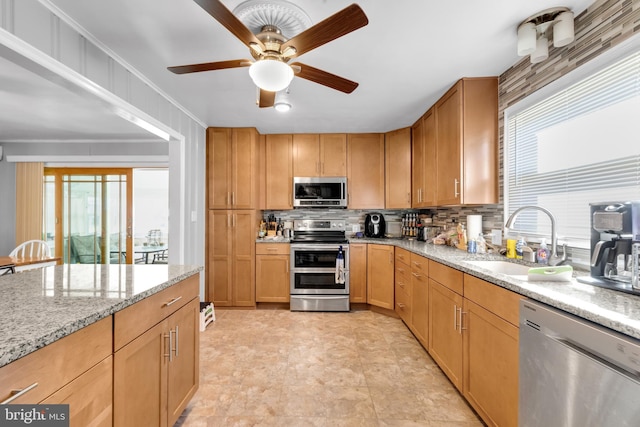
(318, 282)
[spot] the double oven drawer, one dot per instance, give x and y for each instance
(313, 269)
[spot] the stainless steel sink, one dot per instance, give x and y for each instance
(502, 267)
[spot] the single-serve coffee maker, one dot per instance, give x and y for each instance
(615, 245)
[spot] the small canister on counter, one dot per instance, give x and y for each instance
(472, 247)
(511, 248)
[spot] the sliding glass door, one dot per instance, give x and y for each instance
(88, 215)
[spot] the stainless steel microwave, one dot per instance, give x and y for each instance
(320, 192)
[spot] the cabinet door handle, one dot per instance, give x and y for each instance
(462, 328)
(401, 306)
(401, 270)
(169, 354)
(177, 343)
(228, 220)
(233, 221)
(456, 193)
(416, 275)
(233, 198)
(17, 393)
(390, 258)
(173, 301)
(455, 317)
(227, 200)
(409, 198)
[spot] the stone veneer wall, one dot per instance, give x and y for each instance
(605, 24)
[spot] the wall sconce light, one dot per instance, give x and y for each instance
(533, 32)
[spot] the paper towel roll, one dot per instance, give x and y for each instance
(474, 226)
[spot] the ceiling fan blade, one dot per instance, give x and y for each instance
(220, 13)
(267, 99)
(347, 20)
(324, 78)
(209, 66)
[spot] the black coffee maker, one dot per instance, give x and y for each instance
(374, 225)
(615, 230)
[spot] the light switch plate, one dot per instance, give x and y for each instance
(355, 228)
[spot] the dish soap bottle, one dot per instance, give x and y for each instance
(519, 245)
(542, 255)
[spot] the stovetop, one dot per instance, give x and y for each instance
(319, 231)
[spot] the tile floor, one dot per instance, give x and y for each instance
(282, 368)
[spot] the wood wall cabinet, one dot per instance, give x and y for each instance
(491, 351)
(279, 172)
(365, 171)
(75, 370)
(397, 146)
(423, 161)
(319, 155)
(380, 276)
(467, 143)
(232, 168)
(272, 272)
(358, 272)
(231, 254)
(156, 373)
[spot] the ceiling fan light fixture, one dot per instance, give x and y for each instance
(282, 106)
(272, 75)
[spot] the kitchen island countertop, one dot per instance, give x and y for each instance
(613, 309)
(42, 305)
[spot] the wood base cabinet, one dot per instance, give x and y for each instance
(272, 272)
(491, 351)
(420, 298)
(358, 272)
(403, 285)
(75, 370)
(157, 373)
(231, 257)
(380, 276)
(445, 330)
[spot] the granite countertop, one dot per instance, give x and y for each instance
(42, 305)
(613, 309)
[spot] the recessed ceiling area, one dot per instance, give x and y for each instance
(408, 55)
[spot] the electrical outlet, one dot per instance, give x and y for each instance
(355, 228)
(496, 237)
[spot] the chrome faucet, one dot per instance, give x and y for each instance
(554, 259)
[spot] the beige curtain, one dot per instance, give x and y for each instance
(29, 210)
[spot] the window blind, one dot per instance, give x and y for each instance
(579, 146)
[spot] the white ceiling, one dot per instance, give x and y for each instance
(404, 60)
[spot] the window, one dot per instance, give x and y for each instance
(578, 146)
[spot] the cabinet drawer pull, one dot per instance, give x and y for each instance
(416, 275)
(17, 393)
(173, 301)
(401, 270)
(272, 249)
(401, 306)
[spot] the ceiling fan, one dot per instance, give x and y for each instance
(272, 51)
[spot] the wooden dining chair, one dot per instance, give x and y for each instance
(35, 249)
